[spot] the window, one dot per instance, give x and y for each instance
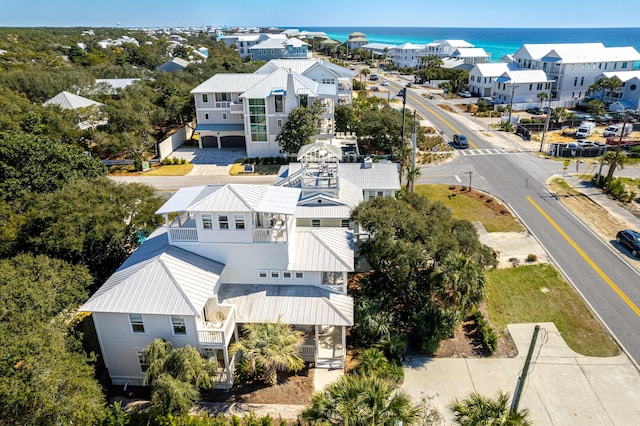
(531, 87)
(575, 82)
(286, 275)
(279, 122)
(238, 221)
(345, 223)
(315, 223)
(223, 221)
(582, 81)
(224, 115)
(262, 274)
(328, 81)
(144, 365)
(275, 275)
(304, 100)
(279, 103)
(178, 324)
(205, 97)
(206, 116)
(624, 65)
(137, 326)
(258, 120)
(207, 221)
(299, 275)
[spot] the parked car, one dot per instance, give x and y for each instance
(631, 240)
(409, 84)
(464, 94)
(524, 133)
(535, 111)
(460, 141)
(385, 83)
(374, 88)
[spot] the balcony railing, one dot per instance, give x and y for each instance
(308, 353)
(270, 235)
(183, 234)
(223, 104)
(218, 333)
(236, 108)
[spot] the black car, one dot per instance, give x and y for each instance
(631, 240)
(460, 141)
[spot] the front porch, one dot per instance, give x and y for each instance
(216, 330)
(325, 346)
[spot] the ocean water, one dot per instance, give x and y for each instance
(495, 41)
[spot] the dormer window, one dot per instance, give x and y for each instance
(207, 221)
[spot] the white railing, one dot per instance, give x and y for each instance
(236, 108)
(336, 287)
(223, 104)
(269, 235)
(183, 234)
(211, 337)
(308, 353)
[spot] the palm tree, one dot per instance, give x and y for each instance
(542, 96)
(358, 400)
(558, 115)
(478, 410)
(459, 284)
(269, 348)
(612, 84)
(596, 107)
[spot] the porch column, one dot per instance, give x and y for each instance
(227, 366)
(199, 139)
(218, 140)
(344, 347)
(315, 354)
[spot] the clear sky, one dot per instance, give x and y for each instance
(324, 13)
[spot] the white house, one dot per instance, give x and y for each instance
(248, 110)
(627, 97)
(573, 67)
(482, 77)
(445, 48)
(291, 48)
(238, 254)
(471, 55)
(406, 55)
(244, 42)
(356, 40)
(520, 88)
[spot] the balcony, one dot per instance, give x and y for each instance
(218, 330)
(236, 108)
(183, 229)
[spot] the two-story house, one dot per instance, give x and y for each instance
(236, 254)
(291, 48)
(249, 110)
(482, 77)
(520, 88)
(573, 67)
(627, 97)
(406, 55)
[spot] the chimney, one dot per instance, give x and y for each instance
(291, 100)
(367, 163)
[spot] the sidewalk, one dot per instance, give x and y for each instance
(562, 388)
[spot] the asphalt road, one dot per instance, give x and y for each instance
(596, 269)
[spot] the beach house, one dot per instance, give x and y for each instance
(236, 254)
(573, 67)
(627, 97)
(520, 88)
(482, 77)
(276, 48)
(249, 110)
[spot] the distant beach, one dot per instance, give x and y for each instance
(496, 41)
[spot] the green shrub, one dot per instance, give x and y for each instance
(176, 160)
(531, 257)
(165, 161)
(525, 121)
(486, 335)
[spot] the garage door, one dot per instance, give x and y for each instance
(209, 142)
(232, 142)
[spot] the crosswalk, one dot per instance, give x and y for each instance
(486, 151)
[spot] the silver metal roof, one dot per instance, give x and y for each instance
(322, 249)
(291, 304)
(278, 80)
(158, 279)
(233, 198)
(66, 100)
(323, 212)
(382, 176)
(228, 83)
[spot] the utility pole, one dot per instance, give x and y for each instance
(413, 152)
(513, 93)
(525, 370)
(404, 104)
(614, 162)
(546, 124)
(469, 173)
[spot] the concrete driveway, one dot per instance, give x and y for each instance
(562, 388)
(209, 161)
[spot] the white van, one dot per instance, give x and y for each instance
(616, 130)
(585, 129)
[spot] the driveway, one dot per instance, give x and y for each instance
(562, 387)
(209, 161)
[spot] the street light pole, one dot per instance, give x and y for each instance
(546, 124)
(404, 104)
(614, 162)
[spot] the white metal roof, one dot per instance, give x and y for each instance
(233, 198)
(291, 304)
(228, 83)
(623, 76)
(66, 100)
(270, 43)
(323, 212)
(470, 52)
(322, 249)
(382, 176)
(158, 279)
(524, 77)
(495, 69)
(278, 80)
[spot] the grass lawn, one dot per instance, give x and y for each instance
(167, 170)
(237, 169)
(537, 293)
(474, 207)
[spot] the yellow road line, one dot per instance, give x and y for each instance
(586, 258)
(425, 106)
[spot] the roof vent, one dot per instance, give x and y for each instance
(367, 163)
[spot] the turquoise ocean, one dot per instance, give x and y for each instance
(495, 41)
